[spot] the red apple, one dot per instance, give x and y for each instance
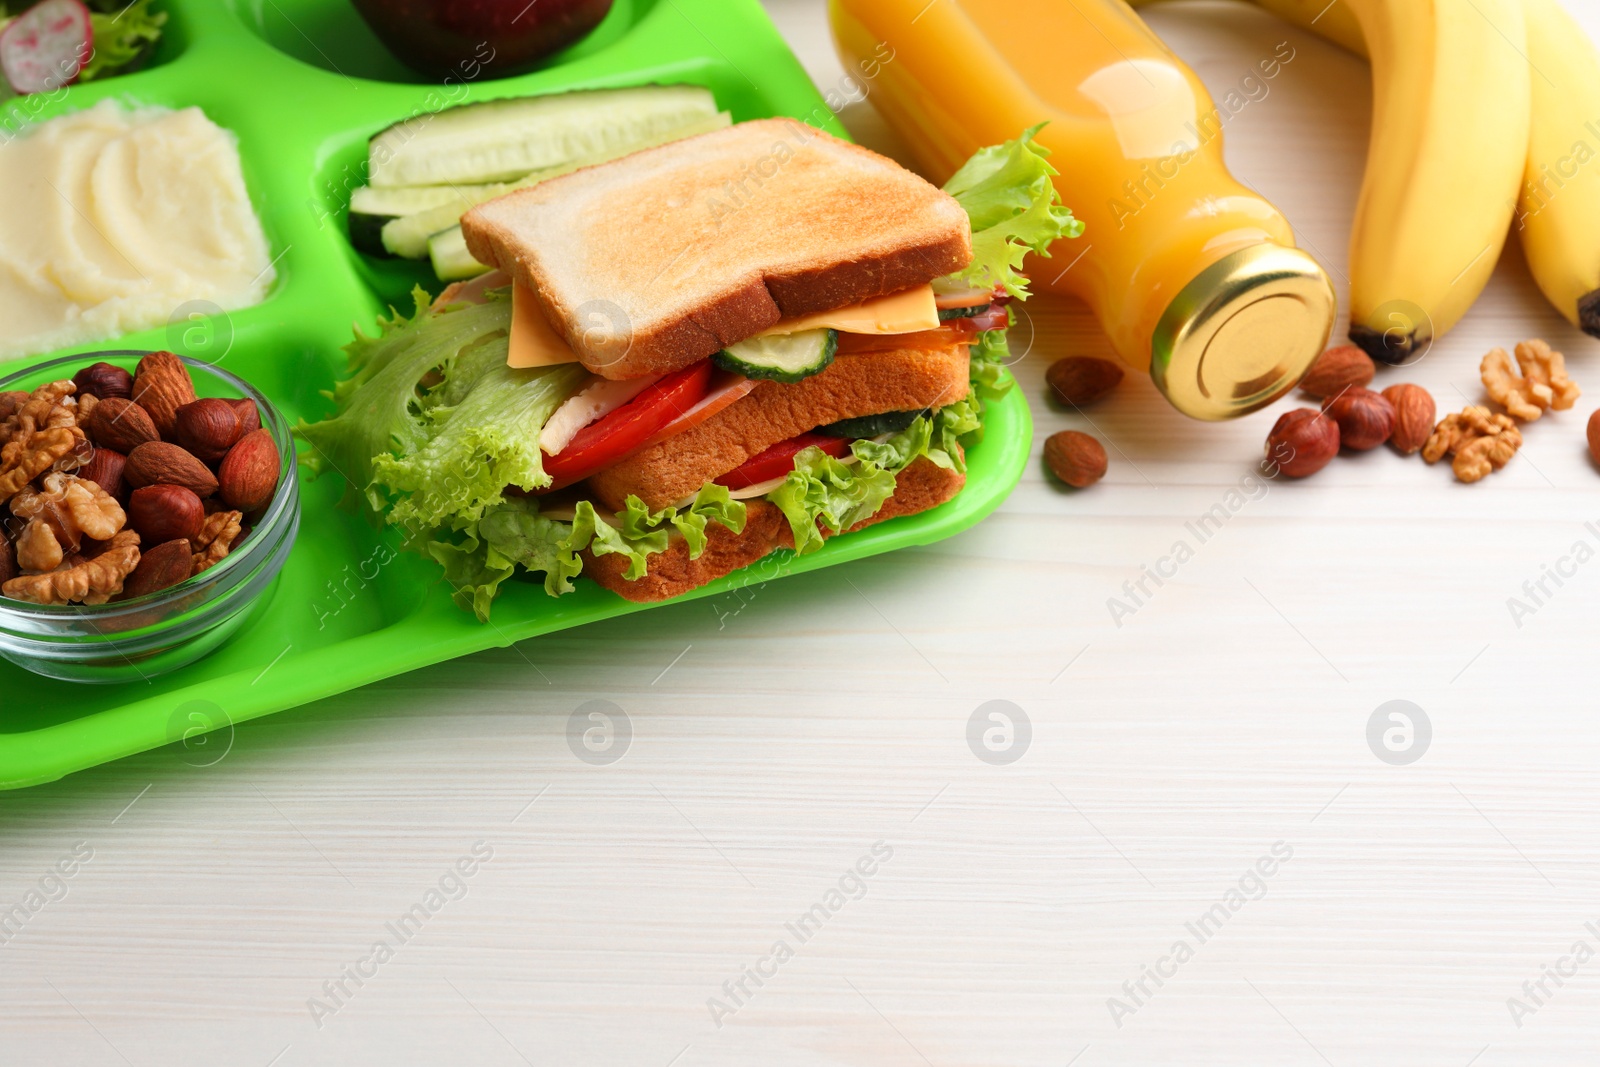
(472, 40)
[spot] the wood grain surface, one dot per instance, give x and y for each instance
(1195, 771)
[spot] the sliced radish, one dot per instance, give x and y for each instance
(599, 398)
(46, 46)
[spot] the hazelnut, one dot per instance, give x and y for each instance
(249, 417)
(161, 513)
(1594, 435)
(1365, 418)
(207, 428)
(1075, 458)
(1302, 442)
(1413, 416)
(1081, 380)
(1338, 369)
(104, 380)
(105, 470)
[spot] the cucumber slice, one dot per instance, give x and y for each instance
(398, 200)
(501, 140)
(871, 425)
(783, 357)
(371, 209)
(946, 314)
(408, 236)
(451, 260)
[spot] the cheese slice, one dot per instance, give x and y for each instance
(909, 312)
(535, 344)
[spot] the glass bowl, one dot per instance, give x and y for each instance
(139, 639)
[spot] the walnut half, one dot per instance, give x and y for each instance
(93, 580)
(1480, 441)
(1543, 384)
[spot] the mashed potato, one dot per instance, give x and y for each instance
(112, 218)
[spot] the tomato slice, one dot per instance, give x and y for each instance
(778, 460)
(624, 431)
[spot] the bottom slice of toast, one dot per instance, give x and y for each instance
(919, 487)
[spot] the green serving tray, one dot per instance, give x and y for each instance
(303, 83)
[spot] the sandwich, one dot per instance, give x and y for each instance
(683, 360)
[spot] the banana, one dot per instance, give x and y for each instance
(1451, 113)
(1558, 215)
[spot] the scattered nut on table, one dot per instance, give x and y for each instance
(1082, 380)
(1480, 441)
(1338, 369)
(1365, 418)
(1302, 442)
(1075, 458)
(1414, 415)
(1543, 384)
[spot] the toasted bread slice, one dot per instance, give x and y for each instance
(651, 262)
(919, 487)
(906, 379)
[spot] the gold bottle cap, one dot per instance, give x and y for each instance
(1243, 333)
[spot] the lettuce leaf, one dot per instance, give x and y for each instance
(1015, 209)
(990, 356)
(643, 533)
(122, 39)
(838, 494)
(384, 407)
(478, 448)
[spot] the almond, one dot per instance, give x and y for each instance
(207, 428)
(1338, 369)
(105, 470)
(1075, 458)
(120, 425)
(161, 385)
(160, 463)
(161, 567)
(1081, 380)
(161, 513)
(1413, 416)
(249, 474)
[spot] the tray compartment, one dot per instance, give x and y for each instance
(311, 641)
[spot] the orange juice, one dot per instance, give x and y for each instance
(1192, 275)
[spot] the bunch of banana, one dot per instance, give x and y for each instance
(1486, 117)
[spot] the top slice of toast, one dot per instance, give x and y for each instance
(654, 261)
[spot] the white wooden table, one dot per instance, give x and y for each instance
(227, 914)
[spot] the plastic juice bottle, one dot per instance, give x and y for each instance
(1190, 273)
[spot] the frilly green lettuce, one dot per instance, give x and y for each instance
(643, 533)
(1015, 209)
(123, 36)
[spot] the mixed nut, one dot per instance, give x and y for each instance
(1077, 459)
(95, 467)
(1479, 440)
